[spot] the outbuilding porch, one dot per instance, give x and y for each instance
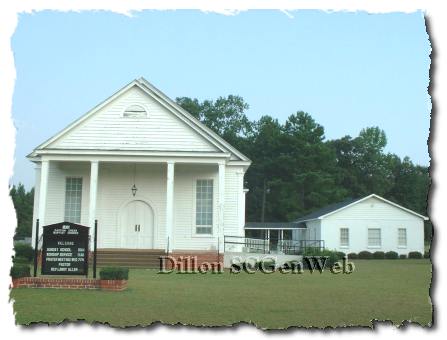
(284, 238)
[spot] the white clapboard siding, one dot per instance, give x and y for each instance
(107, 129)
(373, 213)
(184, 207)
(114, 192)
(58, 172)
(314, 230)
(233, 189)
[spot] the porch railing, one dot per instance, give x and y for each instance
(270, 246)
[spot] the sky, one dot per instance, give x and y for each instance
(348, 70)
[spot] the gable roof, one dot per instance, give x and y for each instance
(326, 210)
(167, 103)
(335, 207)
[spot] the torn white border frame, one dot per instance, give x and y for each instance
(8, 22)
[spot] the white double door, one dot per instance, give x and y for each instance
(137, 226)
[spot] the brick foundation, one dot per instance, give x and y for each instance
(188, 260)
(69, 283)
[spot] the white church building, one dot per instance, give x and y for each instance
(152, 175)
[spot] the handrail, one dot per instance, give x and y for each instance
(266, 246)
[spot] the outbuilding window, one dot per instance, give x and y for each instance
(344, 237)
(135, 111)
(204, 206)
(374, 237)
(73, 199)
(402, 237)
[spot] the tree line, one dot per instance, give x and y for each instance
(295, 169)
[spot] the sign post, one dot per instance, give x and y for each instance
(65, 249)
(36, 245)
(95, 244)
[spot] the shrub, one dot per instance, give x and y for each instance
(353, 256)
(24, 250)
(332, 256)
(114, 273)
(365, 255)
(379, 255)
(19, 259)
(340, 254)
(426, 255)
(402, 256)
(20, 270)
(391, 255)
(414, 255)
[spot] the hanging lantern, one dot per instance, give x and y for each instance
(134, 187)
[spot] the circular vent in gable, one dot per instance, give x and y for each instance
(135, 111)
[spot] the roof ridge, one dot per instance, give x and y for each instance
(331, 208)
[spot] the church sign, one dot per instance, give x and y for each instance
(65, 249)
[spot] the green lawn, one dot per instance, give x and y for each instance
(393, 290)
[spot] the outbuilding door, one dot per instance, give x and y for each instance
(137, 225)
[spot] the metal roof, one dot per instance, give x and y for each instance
(274, 225)
(326, 210)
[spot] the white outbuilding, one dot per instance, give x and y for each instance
(371, 223)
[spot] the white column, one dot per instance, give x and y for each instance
(268, 240)
(240, 202)
(281, 237)
(43, 188)
(93, 197)
(169, 206)
(221, 204)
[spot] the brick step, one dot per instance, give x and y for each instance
(124, 263)
(132, 258)
(129, 256)
(130, 265)
(130, 251)
(146, 258)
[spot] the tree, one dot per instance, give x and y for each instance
(311, 164)
(364, 167)
(411, 187)
(263, 148)
(296, 165)
(371, 162)
(225, 116)
(23, 204)
(191, 105)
